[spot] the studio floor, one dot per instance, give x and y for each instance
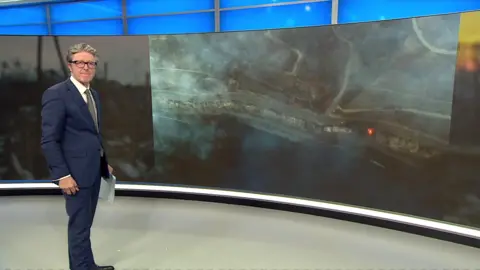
(146, 233)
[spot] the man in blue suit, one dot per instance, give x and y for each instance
(73, 147)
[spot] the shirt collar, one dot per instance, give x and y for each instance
(81, 88)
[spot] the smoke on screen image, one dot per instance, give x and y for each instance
(291, 83)
(287, 111)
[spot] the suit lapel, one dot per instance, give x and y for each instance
(80, 103)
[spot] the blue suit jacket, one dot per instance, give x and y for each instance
(70, 141)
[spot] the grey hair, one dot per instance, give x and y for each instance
(80, 47)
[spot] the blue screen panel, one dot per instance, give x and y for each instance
(18, 30)
(151, 7)
(299, 15)
(90, 28)
(350, 11)
(23, 15)
(173, 24)
(85, 10)
(243, 3)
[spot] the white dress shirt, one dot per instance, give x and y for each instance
(82, 89)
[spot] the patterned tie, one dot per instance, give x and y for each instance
(91, 107)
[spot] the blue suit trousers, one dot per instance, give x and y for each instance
(81, 208)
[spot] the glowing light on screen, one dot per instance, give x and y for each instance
(370, 131)
(377, 214)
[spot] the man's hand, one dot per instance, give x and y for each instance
(68, 185)
(110, 169)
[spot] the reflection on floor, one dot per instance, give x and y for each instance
(159, 234)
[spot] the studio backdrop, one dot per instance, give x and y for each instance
(381, 115)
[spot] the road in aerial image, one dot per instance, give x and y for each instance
(358, 114)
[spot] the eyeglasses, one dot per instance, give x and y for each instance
(82, 64)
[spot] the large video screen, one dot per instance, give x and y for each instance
(358, 114)
(29, 65)
(381, 115)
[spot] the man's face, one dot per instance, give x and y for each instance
(83, 67)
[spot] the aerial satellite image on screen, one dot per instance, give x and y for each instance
(390, 79)
(355, 113)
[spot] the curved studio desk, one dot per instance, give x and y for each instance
(232, 228)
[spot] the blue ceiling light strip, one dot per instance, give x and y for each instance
(282, 16)
(172, 24)
(137, 8)
(20, 30)
(245, 3)
(90, 28)
(85, 10)
(355, 11)
(23, 15)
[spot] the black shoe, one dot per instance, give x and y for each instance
(107, 267)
